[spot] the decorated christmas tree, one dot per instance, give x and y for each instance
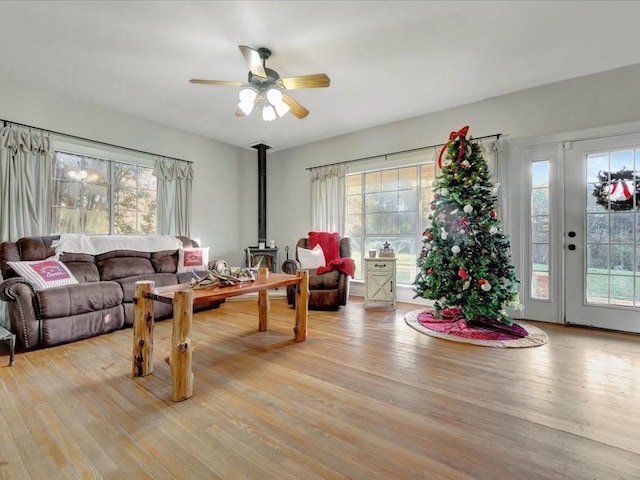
(465, 262)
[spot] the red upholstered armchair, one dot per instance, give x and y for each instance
(327, 291)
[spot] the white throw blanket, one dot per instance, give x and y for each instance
(97, 244)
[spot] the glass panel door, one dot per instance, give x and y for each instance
(602, 248)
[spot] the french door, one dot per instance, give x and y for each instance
(601, 233)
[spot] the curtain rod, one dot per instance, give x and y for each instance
(497, 135)
(9, 122)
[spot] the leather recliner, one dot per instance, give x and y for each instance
(327, 291)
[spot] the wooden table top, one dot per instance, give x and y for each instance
(200, 295)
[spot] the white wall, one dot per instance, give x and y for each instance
(592, 101)
(218, 176)
(225, 187)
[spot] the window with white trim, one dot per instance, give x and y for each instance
(389, 205)
(95, 195)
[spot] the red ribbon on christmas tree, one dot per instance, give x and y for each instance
(462, 133)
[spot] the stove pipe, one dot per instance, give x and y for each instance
(262, 191)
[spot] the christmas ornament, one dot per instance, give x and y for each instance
(455, 249)
(435, 183)
(468, 209)
(462, 273)
(493, 213)
(444, 192)
(465, 164)
(482, 281)
(493, 230)
(486, 287)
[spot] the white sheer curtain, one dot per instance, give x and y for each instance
(26, 163)
(328, 198)
(175, 179)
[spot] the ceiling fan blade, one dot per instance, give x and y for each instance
(294, 107)
(318, 80)
(216, 82)
(253, 60)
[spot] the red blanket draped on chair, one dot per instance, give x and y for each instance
(331, 248)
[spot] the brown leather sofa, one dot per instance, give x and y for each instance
(327, 291)
(101, 302)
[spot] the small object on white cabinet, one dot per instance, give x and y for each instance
(380, 282)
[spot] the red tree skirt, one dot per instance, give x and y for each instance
(483, 329)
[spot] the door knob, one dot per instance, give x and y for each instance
(571, 246)
(572, 234)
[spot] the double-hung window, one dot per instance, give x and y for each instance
(95, 195)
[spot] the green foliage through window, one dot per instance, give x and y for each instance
(99, 196)
(388, 206)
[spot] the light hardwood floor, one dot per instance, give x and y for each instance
(365, 397)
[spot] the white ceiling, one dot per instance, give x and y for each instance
(387, 60)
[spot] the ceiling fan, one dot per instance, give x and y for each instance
(265, 85)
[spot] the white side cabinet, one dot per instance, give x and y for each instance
(380, 282)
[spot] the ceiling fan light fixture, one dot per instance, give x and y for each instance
(274, 96)
(265, 89)
(247, 95)
(246, 107)
(268, 113)
(247, 98)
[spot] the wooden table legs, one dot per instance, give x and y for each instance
(302, 306)
(181, 355)
(143, 323)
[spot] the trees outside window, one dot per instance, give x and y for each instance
(100, 196)
(389, 206)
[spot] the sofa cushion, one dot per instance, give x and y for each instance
(56, 331)
(324, 281)
(43, 274)
(165, 261)
(84, 272)
(36, 248)
(78, 299)
(82, 266)
(128, 284)
(115, 268)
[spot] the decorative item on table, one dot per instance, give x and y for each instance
(223, 277)
(372, 254)
(386, 252)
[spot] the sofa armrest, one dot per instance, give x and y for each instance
(24, 310)
(290, 266)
